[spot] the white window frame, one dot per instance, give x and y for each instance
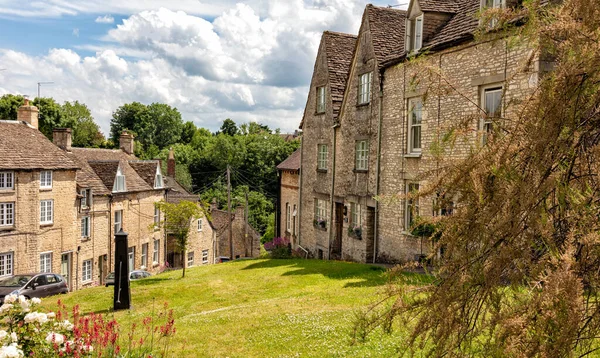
(321, 107)
(288, 217)
(415, 124)
(156, 251)
(295, 220)
(322, 157)
(7, 214)
(6, 264)
(86, 227)
(46, 262)
(364, 88)
(120, 184)
(204, 257)
(118, 224)
(144, 257)
(85, 198)
(46, 179)
(156, 217)
(356, 212)
(87, 267)
(361, 161)
(418, 39)
(200, 222)
(322, 211)
(46, 212)
(158, 179)
(487, 121)
(411, 207)
(495, 4)
(190, 258)
(7, 180)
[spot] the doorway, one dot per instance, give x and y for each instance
(131, 258)
(65, 268)
(102, 268)
(339, 227)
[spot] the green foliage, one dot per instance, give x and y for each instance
(77, 116)
(229, 128)
(187, 132)
(9, 104)
(269, 234)
(50, 115)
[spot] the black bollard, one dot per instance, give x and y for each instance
(122, 294)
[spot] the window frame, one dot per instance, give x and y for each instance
(365, 82)
(321, 104)
(496, 4)
(361, 155)
(355, 215)
(144, 256)
(156, 251)
(4, 175)
(288, 217)
(120, 184)
(412, 126)
(156, 218)
(322, 157)
(205, 256)
(418, 34)
(45, 206)
(46, 179)
(7, 262)
(321, 211)
(4, 214)
(86, 198)
(119, 222)
(86, 223)
(411, 205)
(190, 262)
(86, 273)
(46, 262)
(486, 122)
(158, 179)
(200, 223)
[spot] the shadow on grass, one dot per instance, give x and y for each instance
(368, 276)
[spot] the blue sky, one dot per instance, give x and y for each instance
(249, 61)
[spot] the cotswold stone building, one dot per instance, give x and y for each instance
(289, 181)
(413, 75)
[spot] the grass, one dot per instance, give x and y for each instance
(257, 308)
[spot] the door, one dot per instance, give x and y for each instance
(370, 234)
(131, 258)
(339, 227)
(65, 268)
(102, 268)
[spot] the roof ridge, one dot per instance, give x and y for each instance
(339, 33)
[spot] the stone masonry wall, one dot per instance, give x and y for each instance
(289, 196)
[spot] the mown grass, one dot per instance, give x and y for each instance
(258, 308)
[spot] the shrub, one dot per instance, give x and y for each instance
(279, 248)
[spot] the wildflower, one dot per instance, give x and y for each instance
(11, 351)
(66, 325)
(38, 317)
(36, 301)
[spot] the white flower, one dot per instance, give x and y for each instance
(51, 315)
(66, 325)
(6, 307)
(3, 334)
(11, 351)
(14, 338)
(89, 349)
(36, 301)
(10, 299)
(33, 317)
(55, 338)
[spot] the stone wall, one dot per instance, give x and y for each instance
(289, 196)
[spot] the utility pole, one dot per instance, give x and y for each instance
(229, 212)
(40, 86)
(246, 229)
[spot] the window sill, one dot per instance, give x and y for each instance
(412, 155)
(320, 113)
(7, 228)
(361, 170)
(7, 191)
(88, 282)
(45, 189)
(46, 224)
(85, 238)
(321, 170)
(320, 228)
(366, 104)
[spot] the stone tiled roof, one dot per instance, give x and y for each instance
(291, 163)
(146, 169)
(387, 27)
(219, 220)
(460, 27)
(106, 171)
(339, 49)
(448, 6)
(24, 147)
(176, 192)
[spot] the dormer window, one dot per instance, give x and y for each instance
(158, 179)
(414, 34)
(418, 41)
(119, 185)
(493, 4)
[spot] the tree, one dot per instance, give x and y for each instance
(519, 275)
(177, 221)
(50, 115)
(126, 118)
(188, 131)
(168, 124)
(77, 116)
(229, 128)
(9, 104)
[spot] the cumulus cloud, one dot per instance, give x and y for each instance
(251, 62)
(106, 19)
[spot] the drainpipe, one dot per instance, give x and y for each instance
(378, 173)
(300, 204)
(278, 206)
(332, 192)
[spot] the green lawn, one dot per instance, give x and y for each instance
(258, 308)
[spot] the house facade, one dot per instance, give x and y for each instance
(288, 202)
(245, 239)
(415, 75)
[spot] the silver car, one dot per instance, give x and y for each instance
(33, 285)
(133, 275)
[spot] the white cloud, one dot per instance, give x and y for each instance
(75, 32)
(106, 19)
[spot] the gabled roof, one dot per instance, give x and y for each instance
(387, 28)
(176, 192)
(146, 169)
(339, 48)
(460, 27)
(24, 147)
(291, 163)
(448, 6)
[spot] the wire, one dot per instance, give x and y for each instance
(209, 185)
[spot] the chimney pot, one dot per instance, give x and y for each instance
(62, 138)
(126, 142)
(28, 113)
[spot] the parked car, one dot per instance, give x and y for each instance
(133, 275)
(221, 259)
(33, 285)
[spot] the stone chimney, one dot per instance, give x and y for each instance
(213, 204)
(28, 113)
(171, 164)
(126, 142)
(62, 138)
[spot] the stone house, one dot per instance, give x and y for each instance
(287, 211)
(116, 191)
(37, 200)
(246, 240)
(202, 236)
(391, 117)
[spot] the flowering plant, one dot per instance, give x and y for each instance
(355, 231)
(320, 223)
(279, 247)
(26, 332)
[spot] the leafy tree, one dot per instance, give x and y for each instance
(50, 115)
(77, 116)
(187, 132)
(9, 104)
(177, 221)
(229, 128)
(126, 117)
(168, 124)
(519, 276)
